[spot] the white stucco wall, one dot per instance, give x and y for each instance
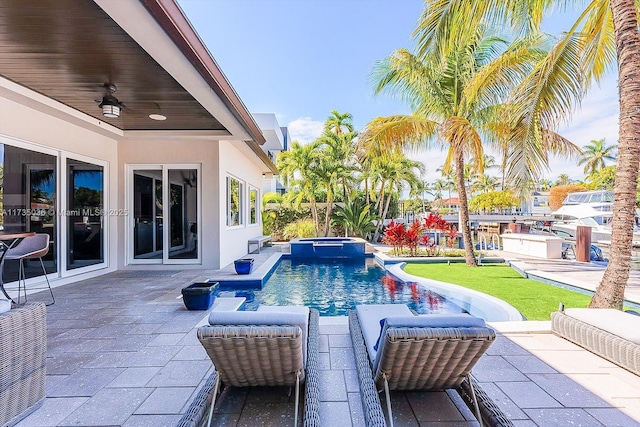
(233, 240)
(177, 150)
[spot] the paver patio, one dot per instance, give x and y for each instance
(122, 350)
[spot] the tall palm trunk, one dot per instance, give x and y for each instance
(327, 215)
(314, 216)
(380, 207)
(610, 291)
(464, 224)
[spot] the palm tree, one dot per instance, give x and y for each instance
(393, 171)
(609, 30)
(457, 91)
(595, 155)
(355, 217)
(297, 168)
(340, 150)
(338, 122)
(544, 184)
(563, 179)
(485, 184)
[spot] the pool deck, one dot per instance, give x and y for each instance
(122, 351)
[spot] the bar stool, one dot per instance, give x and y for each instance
(31, 247)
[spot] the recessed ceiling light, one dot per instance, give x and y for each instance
(159, 117)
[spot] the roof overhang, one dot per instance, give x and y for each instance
(66, 50)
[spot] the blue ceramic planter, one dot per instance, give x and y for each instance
(243, 265)
(199, 296)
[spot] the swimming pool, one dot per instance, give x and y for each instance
(336, 286)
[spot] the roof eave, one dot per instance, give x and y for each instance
(170, 17)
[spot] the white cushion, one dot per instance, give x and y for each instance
(5, 305)
(274, 315)
(370, 316)
(624, 325)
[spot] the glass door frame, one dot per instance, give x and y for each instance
(166, 229)
(63, 224)
(60, 237)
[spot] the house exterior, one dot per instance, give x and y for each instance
(277, 140)
(172, 181)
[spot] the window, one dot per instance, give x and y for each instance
(253, 206)
(235, 192)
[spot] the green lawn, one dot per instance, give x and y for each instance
(535, 300)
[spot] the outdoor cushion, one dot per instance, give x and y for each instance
(462, 320)
(616, 322)
(370, 317)
(5, 305)
(274, 315)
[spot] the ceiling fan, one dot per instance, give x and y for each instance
(110, 105)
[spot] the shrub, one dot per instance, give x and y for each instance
(557, 194)
(300, 228)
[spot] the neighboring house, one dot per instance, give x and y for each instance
(537, 204)
(277, 140)
(172, 180)
(451, 205)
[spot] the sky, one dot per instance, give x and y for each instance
(301, 59)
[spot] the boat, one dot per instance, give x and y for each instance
(587, 208)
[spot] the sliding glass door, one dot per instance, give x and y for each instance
(85, 214)
(164, 225)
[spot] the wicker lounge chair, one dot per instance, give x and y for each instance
(396, 350)
(273, 346)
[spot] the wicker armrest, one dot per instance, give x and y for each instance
(23, 332)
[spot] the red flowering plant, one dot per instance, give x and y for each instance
(429, 245)
(434, 223)
(451, 233)
(395, 235)
(413, 236)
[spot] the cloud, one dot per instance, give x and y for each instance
(305, 129)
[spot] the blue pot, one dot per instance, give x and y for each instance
(199, 296)
(243, 265)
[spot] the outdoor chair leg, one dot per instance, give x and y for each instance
(213, 400)
(475, 400)
(295, 419)
(386, 392)
(48, 284)
(22, 282)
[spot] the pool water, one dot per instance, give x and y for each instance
(336, 286)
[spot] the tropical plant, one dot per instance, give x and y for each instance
(484, 184)
(604, 179)
(355, 218)
(394, 235)
(458, 90)
(607, 30)
(413, 236)
(392, 171)
(595, 155)
(563, 179)
(338, 123)
(544, 184)
(299, 229)
(297, 168)
(493, 201)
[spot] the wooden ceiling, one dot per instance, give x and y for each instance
(68, 49)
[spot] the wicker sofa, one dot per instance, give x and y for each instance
(611, 334)
(23, 349)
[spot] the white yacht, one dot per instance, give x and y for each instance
(589, 208)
